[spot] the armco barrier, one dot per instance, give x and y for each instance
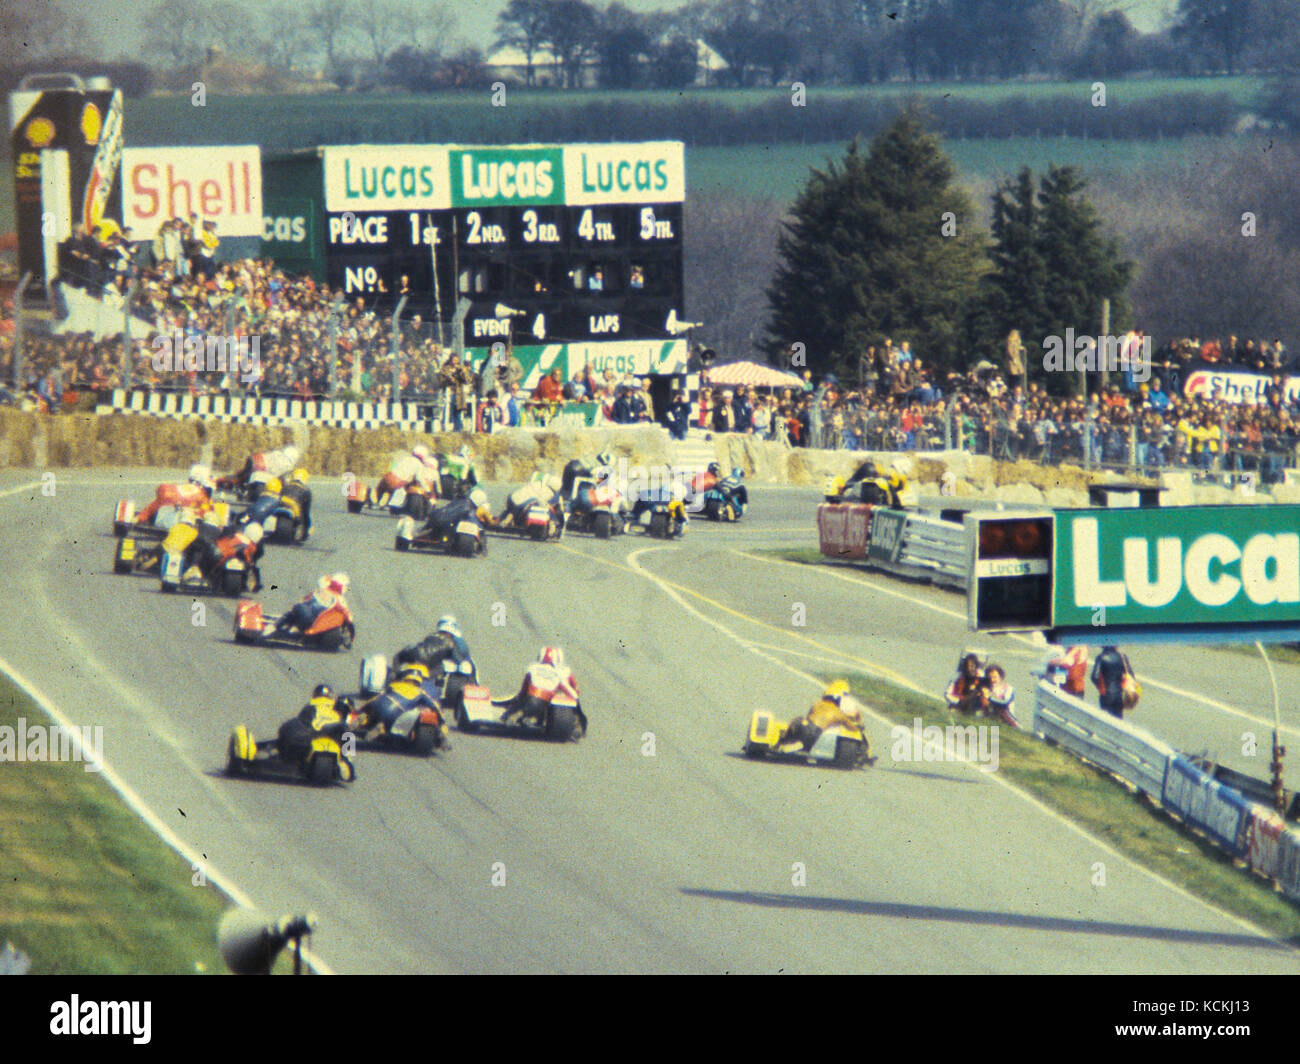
(1246, 830)
(1126, 751)
(905, 542)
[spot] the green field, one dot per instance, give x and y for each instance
(780, 170)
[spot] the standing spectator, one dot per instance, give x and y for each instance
(679, 416)
(724, 414)
(648, 401)
(705, 418)
(1108, 674)
(743, 410)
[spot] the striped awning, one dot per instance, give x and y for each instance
(752, 375)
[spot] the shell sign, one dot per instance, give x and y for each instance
(92, 123)
(39, 132)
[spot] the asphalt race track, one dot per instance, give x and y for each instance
(614, 860)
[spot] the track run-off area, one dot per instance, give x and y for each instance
(652, 845)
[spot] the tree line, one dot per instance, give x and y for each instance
(410, 44)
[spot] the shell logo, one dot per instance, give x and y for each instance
(92, 122)
(40, 132)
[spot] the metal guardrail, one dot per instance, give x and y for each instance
(1131, 753)
(1251, 833)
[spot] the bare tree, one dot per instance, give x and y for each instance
(383, 24)
(429, 25)
(330, 21)
(181, 30)
(522, 24)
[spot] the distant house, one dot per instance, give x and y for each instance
(509, 64)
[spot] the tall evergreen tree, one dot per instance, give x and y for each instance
(877, 245)
(1011, 295)
(1084, 267)
(1052, 268)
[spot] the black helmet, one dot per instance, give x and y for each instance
(323, 690)
(714, 468)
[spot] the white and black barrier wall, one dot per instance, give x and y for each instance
(1249, 832)
(410, 417)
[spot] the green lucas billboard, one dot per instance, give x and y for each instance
(1177, 566)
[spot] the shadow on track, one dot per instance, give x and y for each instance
(902, 911)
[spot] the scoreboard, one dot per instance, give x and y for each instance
(579, 243)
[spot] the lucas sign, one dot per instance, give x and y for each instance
(1186, 565)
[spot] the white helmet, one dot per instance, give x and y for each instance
(448, 624)
(200, 474)
(465, 452)
(338, 583)
(292, 454)
(421, 452)
(604, 459)
(553, 484)
(478, 498)
(551, 656)
(253, 531)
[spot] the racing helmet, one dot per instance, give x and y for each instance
(738, 473)
(836, 691)
(715, 469)
(291, 455)
(551, 656)
(299, 476)
(466, 453)
(421, 452)
(478, 497)
(553, 484)
(604, 459)
(448, 624)
(338, 583)
(254, 531)
(413, 670)
(200, 474)
(323, 690)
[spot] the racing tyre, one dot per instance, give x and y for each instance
(604, 526)
(340, 638)
(659, 526)
(233, 583)
(711, 509)
(355, 505)
(120, 565)
(300, 532)
(426, 739)
(561, 724)
(540, 533)
(402, 543)
(466, 545)
(417, 506)
(728, 512)
(755, 751)
(321, 770)
(849, 753)
(463, 723)
(234, 766)
(619, 526)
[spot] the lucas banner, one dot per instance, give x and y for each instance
(1175, 567)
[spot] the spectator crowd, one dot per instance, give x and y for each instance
(897, 402)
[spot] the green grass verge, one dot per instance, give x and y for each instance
(86, 887)
(1093, 799)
